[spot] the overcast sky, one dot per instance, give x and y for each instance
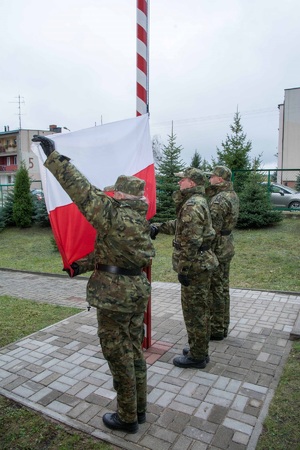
(73, 63)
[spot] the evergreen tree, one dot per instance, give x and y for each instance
(256, 210)
(40, 213)
(7, 210)
(2, 223)
(199, 163)
(166, 181)
(297, 185)
(235, 153)
(23, 202)
(196, 160)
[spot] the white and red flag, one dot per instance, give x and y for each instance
(101, 153)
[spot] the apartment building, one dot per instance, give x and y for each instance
(15, 146)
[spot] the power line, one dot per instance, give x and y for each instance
(219, 117)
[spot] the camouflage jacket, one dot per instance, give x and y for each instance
(192, 229)
(224, 210)
(123, 240)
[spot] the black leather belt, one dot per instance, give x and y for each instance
(204, 248)
(225, 232)
(118, 270)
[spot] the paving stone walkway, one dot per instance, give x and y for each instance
(60, 370)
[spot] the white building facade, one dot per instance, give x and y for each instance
(289, 137)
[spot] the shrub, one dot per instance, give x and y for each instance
(256, 210)
(7, 210)
(23, 202)
(40, 213)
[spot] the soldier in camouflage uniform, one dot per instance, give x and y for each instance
(118, 287)
(194, 262)
(224, 209)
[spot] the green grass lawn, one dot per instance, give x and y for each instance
(267, 259)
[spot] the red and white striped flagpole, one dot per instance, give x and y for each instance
(142, 58)
(142, 107)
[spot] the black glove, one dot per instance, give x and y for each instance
(75, 268)
(153, 231)
(47, 144)
(183, 279)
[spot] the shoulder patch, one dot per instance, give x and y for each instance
(190, 202)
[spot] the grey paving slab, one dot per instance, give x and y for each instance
(60, 370)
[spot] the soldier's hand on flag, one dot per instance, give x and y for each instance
(75, 268)
(47, 144)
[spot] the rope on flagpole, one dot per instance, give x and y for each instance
(142, 59)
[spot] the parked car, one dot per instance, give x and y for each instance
(38, 194)
(284, 196)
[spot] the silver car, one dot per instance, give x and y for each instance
(284, 196)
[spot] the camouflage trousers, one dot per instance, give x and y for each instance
(121, 336)
(196, 313)
(220, 299)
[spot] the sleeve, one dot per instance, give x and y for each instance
(193, 220)
(218, 210)
(86, 264)
(93, 203)
(168, 227)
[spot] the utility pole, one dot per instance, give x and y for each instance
(20, 114)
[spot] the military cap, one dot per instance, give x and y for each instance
(129, 185)
(193, 174)
(109, 188)
(222, 172)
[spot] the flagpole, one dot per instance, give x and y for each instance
(142, 58)
(142, 107)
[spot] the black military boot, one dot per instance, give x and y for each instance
(113, 421)
(186, 350)
(217, 337)
(188, 362)
(141, 417)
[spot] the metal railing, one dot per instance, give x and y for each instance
(5, 189)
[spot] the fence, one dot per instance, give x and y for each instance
(5, 189)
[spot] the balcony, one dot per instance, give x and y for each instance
(10, 168)
(8, 149)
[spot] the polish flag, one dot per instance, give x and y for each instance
(101, 153)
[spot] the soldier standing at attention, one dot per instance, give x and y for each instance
(223, 204)
(118, 287)
(194, 262)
